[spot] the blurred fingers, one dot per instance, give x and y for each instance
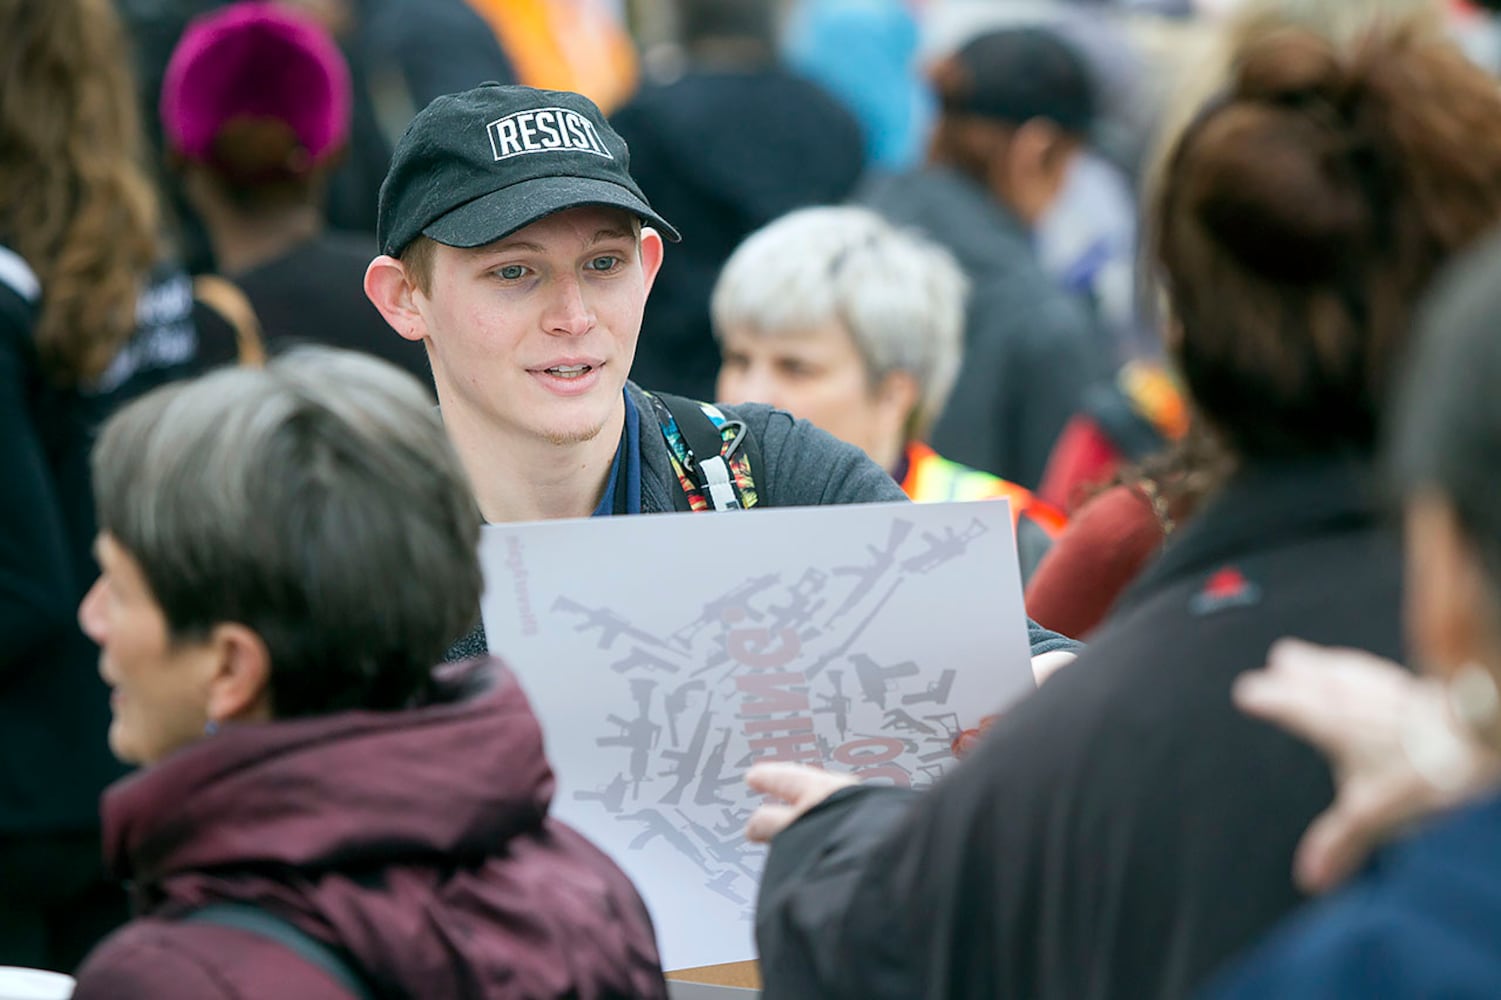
(785, 781)
(768, 821)
(1363, 816)
(1324, 695)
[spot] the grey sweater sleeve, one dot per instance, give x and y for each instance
(806, 466)
(1045, 641)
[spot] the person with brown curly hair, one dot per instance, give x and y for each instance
(87, 319)
(1124, 830)
(1115, 534)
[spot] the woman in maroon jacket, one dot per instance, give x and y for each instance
(285, 553)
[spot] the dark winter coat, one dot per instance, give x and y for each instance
(54, 709)
(417, 843)
(1124, 830)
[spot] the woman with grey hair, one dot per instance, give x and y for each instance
(285, 554)
(840, 318)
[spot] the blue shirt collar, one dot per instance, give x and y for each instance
(623, 489)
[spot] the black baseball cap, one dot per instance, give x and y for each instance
(477, 166)
(1018, 73)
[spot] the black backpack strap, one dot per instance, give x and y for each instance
(750, 450)
(254, 920)
(709, 454)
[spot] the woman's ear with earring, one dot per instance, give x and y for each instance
(1449, 748)
(1475, 700)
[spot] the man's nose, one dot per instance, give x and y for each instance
(569, 312)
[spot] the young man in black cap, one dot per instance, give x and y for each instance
(517, 248)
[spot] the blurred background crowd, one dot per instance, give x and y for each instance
(1017, 137)
(934, 228)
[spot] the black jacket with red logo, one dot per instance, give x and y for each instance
(1124, 830)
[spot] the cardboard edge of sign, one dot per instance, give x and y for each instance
(731, 981)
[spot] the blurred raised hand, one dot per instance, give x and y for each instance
(796, 787)
(1397, 750)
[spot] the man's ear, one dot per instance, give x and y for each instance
(900, 391)
(652, 250)
(1037, 162)
(1042, 147)
(392, 292)
(240, 689)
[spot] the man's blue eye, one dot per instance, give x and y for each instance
(512, 272)
(604, 263)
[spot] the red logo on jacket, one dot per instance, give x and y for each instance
(1226, 587)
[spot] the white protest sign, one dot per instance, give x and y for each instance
(663, 654)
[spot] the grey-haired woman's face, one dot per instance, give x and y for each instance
(817, 374)
(159, 690)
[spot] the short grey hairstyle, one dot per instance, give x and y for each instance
(317, 502)
(900, 296)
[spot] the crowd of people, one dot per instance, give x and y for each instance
(1206, 292)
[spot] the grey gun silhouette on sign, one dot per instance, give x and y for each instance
(710, 782)
(658, 825)
(941, 550)
(685, 766)
(866, 576)
(639, 657)
(612, 796)
(937, 691)
(677, 704)
(610, 625)
(727, 609)
(900, 719)
(838, 704)
(639, 734)
(874, 678)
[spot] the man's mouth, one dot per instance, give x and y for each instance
(569, 371)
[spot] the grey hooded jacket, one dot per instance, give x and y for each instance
(1030, 349)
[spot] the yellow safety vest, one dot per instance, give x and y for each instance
(931, 478)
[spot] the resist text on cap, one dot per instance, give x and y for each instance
(541, 130)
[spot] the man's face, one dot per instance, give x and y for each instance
(534, 335)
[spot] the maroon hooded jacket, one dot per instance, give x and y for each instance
(418, 842)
